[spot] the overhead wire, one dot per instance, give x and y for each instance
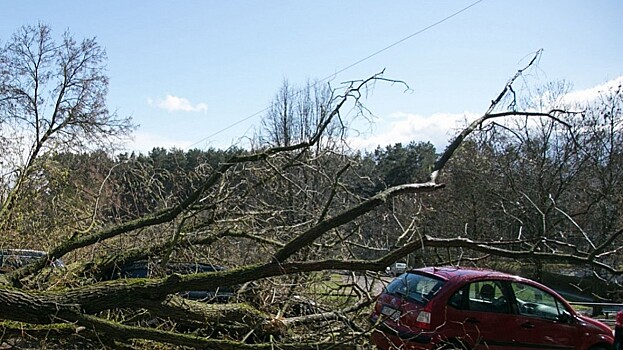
(420, 31)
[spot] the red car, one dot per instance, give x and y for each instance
(461, 308)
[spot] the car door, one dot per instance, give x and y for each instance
(480, 314)
(542, 322)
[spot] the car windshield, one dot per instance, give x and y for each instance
(415, 287)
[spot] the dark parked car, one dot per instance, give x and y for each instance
(448, 307)
(145, 269)
(11, 259)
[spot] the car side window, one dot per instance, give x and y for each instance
(485, 296)
(458, 300)
(534, 302)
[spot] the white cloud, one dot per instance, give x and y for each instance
(587, 96)
(174, 104)
(439, 127)
(403, 127)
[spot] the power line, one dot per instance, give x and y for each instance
(353, 64)
(406, 38)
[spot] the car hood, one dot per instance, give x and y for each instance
(596, 326)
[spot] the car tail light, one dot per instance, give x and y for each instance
(423, 319)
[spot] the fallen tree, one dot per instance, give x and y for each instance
(284, 233)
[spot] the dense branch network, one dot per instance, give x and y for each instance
(285, 243)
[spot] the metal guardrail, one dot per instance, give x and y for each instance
(604, 312)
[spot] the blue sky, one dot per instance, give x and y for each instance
(186, 70)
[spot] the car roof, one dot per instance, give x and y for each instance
(465, 273)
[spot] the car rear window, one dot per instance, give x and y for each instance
(415, 287)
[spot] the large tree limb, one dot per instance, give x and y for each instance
(125, 333)
(46, 307)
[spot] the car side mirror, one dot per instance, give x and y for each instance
(564, 317)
